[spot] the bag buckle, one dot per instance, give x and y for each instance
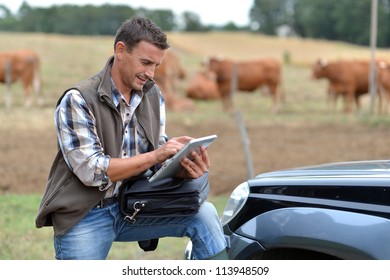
(137, 206)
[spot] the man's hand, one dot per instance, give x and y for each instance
(170, 148)
(197, 167)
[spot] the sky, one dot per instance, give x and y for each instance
(217, 12)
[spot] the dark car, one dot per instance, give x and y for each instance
(331, 211)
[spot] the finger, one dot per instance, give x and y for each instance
(182, 139)
(195, 169)
(197, 159)
(202, 159)
(191, 168)
(205, 157)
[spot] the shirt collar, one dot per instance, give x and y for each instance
(118, 97)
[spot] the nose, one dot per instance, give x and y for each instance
(150, 71)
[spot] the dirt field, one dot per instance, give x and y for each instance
(303, 133)
(28, 145)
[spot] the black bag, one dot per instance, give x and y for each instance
(170, 197)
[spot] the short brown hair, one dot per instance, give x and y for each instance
(138, 29)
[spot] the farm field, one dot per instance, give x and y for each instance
(304, 132)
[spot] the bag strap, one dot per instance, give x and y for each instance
(148, 245)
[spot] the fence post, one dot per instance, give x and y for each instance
(243, 132)
(373, 68)
(8, 97)
(246, 143)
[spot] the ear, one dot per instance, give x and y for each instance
(120, 49)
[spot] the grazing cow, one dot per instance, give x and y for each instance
(167, 77)
(347, 78)
(251, 75)
(23, 65)
(203, 86)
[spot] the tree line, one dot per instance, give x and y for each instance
(91, 19)
(341, 20)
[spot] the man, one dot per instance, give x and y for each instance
(111, 127)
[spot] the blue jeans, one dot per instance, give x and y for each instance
(92, 237)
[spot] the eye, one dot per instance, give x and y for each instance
(145, 62)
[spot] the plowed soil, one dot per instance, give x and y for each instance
(28, 146)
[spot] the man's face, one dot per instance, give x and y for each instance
(138, 66)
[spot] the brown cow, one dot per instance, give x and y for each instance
(23, 65)
(203, 86)
(167, 77)
(251, 75)
(347, 78)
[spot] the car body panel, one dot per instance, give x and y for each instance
(242, 248)
(337, 209)
(344, 234)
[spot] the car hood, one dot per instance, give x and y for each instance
(360, 181)
(368, 168)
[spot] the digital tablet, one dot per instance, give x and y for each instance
(172, 166)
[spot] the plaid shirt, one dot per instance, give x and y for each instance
(79, 142)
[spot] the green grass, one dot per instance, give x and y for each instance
(21, 240)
